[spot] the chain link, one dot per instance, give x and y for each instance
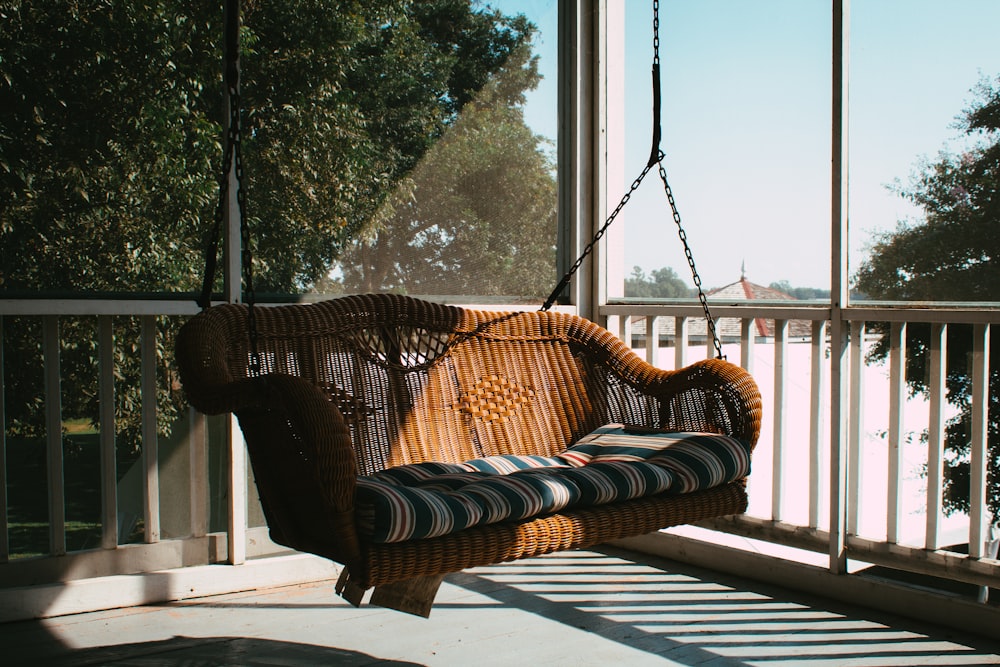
(690, 260)
(656, 32)
(656, 157)
(212, 246)
(235, 138)
(597, 237)
(232, 163)
(233, 160)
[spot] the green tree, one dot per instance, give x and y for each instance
(108, 143)
(110, 146)
(478, 214)
(661, 284)
(804, 293)
(106, 159)
(950, 255)
(337, 125)
(111, 118)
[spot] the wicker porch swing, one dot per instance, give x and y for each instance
(406, 439)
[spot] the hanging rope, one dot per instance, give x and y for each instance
(656, 157)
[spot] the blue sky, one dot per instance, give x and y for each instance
(746, 122)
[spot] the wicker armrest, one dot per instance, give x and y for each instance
(711, 395)
(300, 437)
(316, 428)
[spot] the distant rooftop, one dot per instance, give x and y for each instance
(729, 328)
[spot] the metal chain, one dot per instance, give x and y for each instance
(232, 162)
(656, 157)
(235, 138)
(710, 321)
(690, 260)
(597, 237)
(656, 32)
(212, 247)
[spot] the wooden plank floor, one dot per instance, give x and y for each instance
(577, 608)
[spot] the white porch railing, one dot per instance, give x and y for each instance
(892, 504)
(185, 500)
(889, 498)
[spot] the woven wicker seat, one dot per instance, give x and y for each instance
(355, 385)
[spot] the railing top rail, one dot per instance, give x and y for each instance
(783, 310)
(936, 313)
(184, 304)
(950, 313)
(83, 307)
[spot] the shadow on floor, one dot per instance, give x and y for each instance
(191, 651)
(599, 607)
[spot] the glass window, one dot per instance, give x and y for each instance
(463, 203)
(922, 191)
(386, 146)
(745, 133)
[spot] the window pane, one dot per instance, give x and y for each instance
(922, 191)
(385, 146)
(745, 121)
(469, 207)
(109, 119)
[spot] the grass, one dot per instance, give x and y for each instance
(33, 537)
(79, 427)
(27, 491)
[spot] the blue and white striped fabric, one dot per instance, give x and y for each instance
(614, 442)
(697, 460)
(609, 465)
(700, 461)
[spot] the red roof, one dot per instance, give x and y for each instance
(744, 290)
(730, 328)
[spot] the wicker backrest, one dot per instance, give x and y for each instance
(421, 381)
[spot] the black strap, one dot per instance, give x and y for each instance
(231, 36)
(232, 162)
(654, 152)
(655, 159)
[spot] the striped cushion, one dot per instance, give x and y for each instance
(392, 513)
(697, 460)
(612, 481)
(701, 461)
(609, 465)
(418, 473)
(614, 442)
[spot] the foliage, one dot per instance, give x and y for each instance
(950, 255)
(111, 143)
(804, 293)
(476, 215)
(660, 284)
(111, 129)
(343, 123)
(107, 143)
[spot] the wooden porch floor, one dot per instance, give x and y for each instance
(578, 608)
